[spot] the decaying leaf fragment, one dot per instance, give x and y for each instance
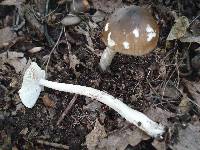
(73, 61)
(93, 138)
(120, 139)
(179, 28)
(189, 38)
(6, 36)
(188, 139)
(159, 115)
(12, 2)
(15, 59)
(194, 90)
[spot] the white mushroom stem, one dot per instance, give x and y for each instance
(34, 80)
(106, 58)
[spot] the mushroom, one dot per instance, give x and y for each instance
(34, 80)
(130, 30)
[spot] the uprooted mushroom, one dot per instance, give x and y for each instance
(130, 30)
(34, 80)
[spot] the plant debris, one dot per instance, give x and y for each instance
(6, 36)
(179, 29)
(164, 84)
(93, 138)
(188, 138)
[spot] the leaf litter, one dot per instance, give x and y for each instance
(15, 59)
(101, 137)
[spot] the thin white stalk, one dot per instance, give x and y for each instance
(137, 118)
(106, 58)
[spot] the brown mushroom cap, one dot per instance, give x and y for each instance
(131, 30)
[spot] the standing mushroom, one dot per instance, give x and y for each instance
(130, 30)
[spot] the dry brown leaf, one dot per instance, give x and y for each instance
(47, 101)
(24, 131)
(185, 105)
(93, 138)
(98, 16)
(15, 59)
(121, 139)
(91, 105)
(190, 38)
(194, 90)
(179, 28)
(107, 6)
(6, 36)
(159, 115)
(189, 138)
(73, 61)
(12, 2)
(159, 145)
(87, 35)
(169, 91)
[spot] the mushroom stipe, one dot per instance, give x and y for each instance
(34, 81)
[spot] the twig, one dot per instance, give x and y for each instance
(49, 57)
(56, 145)
(66, 111)
(194, 19)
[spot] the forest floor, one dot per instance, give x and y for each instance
(164, 84)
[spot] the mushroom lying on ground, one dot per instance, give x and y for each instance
(130, 30)
(34, 80)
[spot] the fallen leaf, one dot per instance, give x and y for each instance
(159, 115)
(185, 105)
(190, 39)
(121, 139)
(18, 64)
(159, 145)
(98, 16)
(12, 2)
(169, 91)
(91, 105)
(6, 36)
(87, 35)
(24, 131)
(11, 55)
(188, 139)
(15, 59)
(47, 101)
(107, 6)
(194, 90)
(93, 138)
(73, 61)
(179, 28)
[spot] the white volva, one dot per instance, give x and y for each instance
(34, 80)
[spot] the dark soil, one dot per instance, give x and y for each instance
(135, 80)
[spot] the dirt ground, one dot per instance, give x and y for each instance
(163, 84)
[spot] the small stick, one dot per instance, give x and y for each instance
(69, 106)
(56, 145)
